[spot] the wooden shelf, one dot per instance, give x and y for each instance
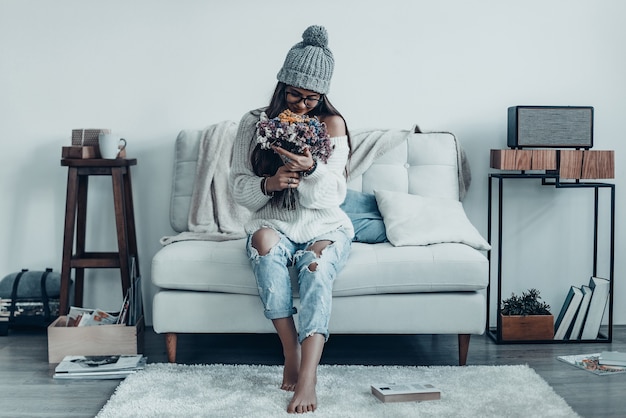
(570, 164)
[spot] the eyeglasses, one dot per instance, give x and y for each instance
(293, 97)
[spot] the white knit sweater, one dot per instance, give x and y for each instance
(317, 197)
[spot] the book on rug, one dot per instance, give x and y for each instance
(393, 392)
(582, 313)
(612, 358)
(597, 305)
(568, 313)
(591, 363)
(99, 367)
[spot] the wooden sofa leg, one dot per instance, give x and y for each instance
(464, 340)
(170, 346)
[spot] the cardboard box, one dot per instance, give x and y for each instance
(97, 340)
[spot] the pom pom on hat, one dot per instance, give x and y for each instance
(309, 64)
(315, 36)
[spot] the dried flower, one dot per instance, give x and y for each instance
(295, 133)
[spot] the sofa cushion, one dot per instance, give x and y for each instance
(425, 164)
(185, 162)
(371, 269)
(367, 221)
(418, 220)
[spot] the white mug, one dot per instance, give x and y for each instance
(110, 145)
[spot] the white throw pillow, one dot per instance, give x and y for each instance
(418, 220)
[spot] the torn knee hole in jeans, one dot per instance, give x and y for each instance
(256, 255)
(312, 266)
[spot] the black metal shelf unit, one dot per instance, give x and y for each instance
(547, 179)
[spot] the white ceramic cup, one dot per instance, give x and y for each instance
(111, 145)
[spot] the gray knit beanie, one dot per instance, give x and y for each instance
(309, 64)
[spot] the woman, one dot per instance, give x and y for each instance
(315, 235)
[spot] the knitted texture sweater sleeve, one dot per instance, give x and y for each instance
(318, 196)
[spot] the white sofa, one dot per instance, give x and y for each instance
(209, 287)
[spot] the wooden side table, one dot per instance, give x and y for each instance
(79, 171)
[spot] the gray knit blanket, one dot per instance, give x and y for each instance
(214, 215)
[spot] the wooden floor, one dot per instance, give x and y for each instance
(28, 390)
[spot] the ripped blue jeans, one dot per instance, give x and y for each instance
(315, 287)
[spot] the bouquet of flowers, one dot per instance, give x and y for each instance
(294, 133)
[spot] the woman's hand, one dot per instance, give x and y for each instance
(283, 179)
(295, 162)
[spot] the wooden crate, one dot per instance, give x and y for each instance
(96, 340)
(526, 328)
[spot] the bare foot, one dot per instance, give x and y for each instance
(304, 399)
(290, 371)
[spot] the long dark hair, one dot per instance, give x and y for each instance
(266, 162)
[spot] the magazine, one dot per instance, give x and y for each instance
(130, 311)
(393, 392)
(99, 367)
(81, 317)
(590, 362)
(96, 375)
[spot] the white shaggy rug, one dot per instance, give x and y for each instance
(171, 390)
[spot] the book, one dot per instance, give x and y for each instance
(132, 305)
(597, 305)
(568, 312)
(612, 358)
(99, 367)
(393, 392)
(591, 363)
(582, 313)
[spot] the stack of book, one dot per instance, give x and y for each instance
(4, 319)
(581, 314)
(99, 367)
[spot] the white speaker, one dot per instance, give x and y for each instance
(550, 126)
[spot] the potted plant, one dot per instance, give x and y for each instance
(526, 317)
